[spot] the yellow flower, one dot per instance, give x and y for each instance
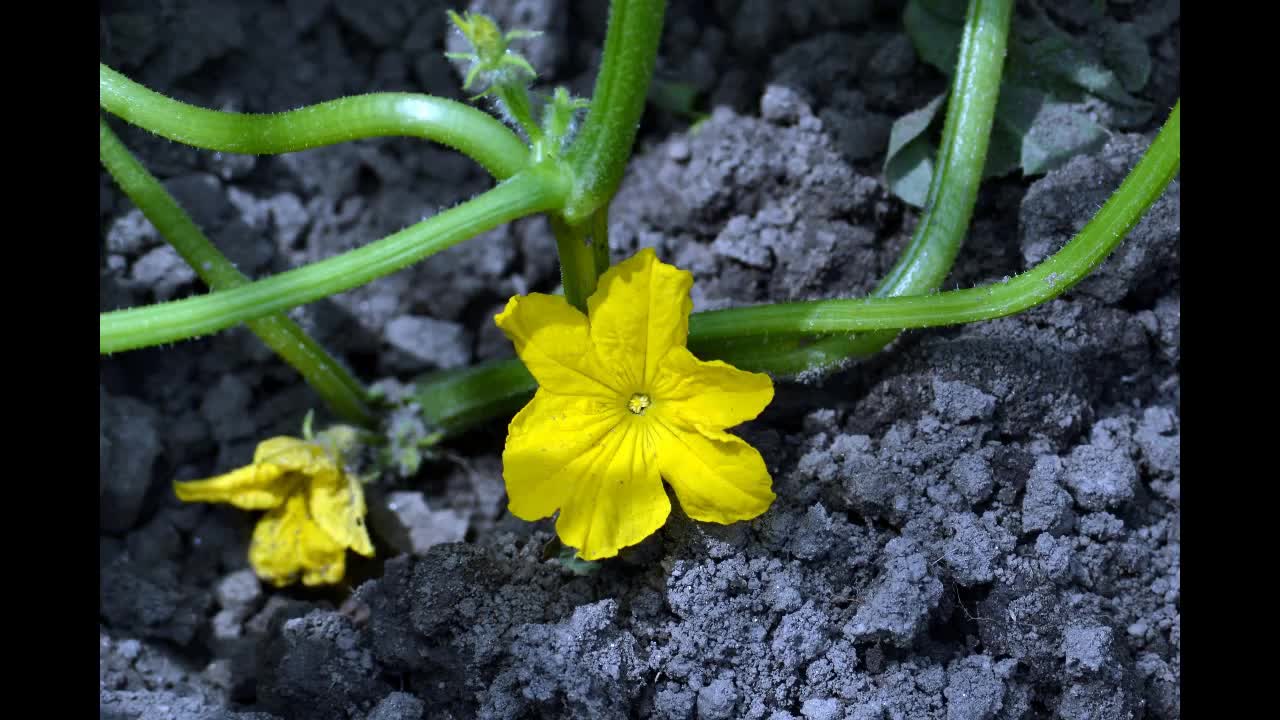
(315, 509)
(621, 405)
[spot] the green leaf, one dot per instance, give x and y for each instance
(1040, 121)
(1051, 132)
(908, 166)
(678, 98)
(1043, 56)
(1124, 50)
(1004, 150)
(935, 27)
(1032, 132)
(568, 558)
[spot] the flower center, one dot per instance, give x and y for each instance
(638, 403)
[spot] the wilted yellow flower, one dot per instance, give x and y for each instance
(621, 405)
(315, 509)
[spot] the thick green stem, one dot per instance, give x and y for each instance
(601, 150)
(600, 238)
(584, 255)
(535, 190)
(712, 333)
(468, 130)
(577, 268)
(948, 208)
(599, 154)
(339, 388)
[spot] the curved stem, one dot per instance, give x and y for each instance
(1045, 281)
(601, 150)
(535, 190)
(966, 135)
(339, 388)
(953, 192)
(468, 130)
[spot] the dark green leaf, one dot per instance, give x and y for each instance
(935, 27)
(1051, 132)
(676, 98)
(1124, 50)
(1004, 152)
(908, 166)
(1048, 79)
(1045, 57)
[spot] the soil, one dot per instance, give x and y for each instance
(979, 523)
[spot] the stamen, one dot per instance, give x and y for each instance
(638, 403)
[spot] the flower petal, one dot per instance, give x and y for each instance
(552, 340)
(286, 542)
(292, 454)
(710, 394)
(543, 438)
(616, 498)
(336, 503)
(718, 477)
(279, 464)
(253, 487)
(639, 311)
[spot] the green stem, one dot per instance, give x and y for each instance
(600, 238)
(584, 255)
(1045, 281)
(577, 269)
(599, 154)
(789, 355)
(457, 400)
(468, 130)
(339, 388)
(966, 135)
(948, 208)
(601, 150)
(514, 99)
(502, 383)
(535, 190)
